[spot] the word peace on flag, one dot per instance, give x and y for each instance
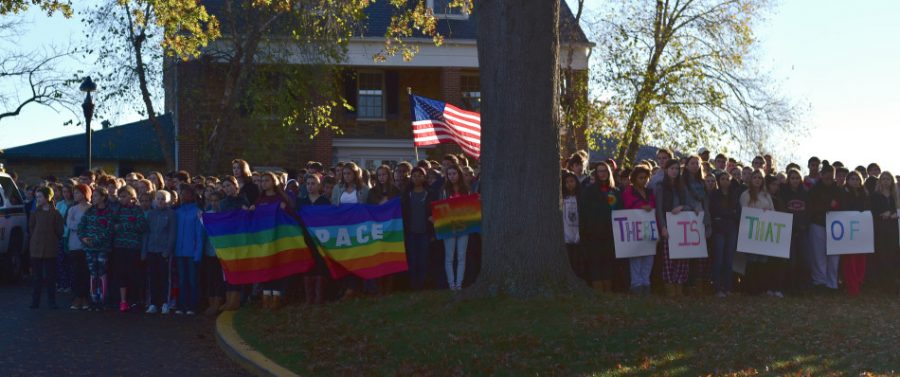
(765, 232)
(687, 235)
(849, 232)
(456, 216)
(635, 232)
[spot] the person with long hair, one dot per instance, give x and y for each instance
(757, 197)
(595, 206)
(725, 213)
(855, 198)
(231, 201)
(638, 196)
(314, 281)
(795, 198)
(418, 228)
(824, 196)
(129, 228)
(884, 201)
(81, 277)
(670, 197)
(158, 246)
(45, 229)
(571, 187)
(697, 198)
(248, 190)
(350, 189)
(455, 247)
(273, 193)
(63, 264)
(380, 193)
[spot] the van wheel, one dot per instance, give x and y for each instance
(11, 262)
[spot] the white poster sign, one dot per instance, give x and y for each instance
(687, 235)
(849, 232)
(765, 232)
(635, 232)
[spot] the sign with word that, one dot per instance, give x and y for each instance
(635, 232)
(849, 232)
(687, 235)
(765, 232)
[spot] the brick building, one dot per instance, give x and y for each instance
(378, 129)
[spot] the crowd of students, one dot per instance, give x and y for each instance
(720, 188)
(138, 241)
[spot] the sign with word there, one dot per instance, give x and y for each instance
(849, 232)
(635, 232)
(687, 235)
(765, 232)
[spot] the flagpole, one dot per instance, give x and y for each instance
(411, 115)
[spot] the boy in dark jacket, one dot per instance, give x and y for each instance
(823, 197)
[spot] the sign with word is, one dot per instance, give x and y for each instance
(635, 232)
(765, 233)
(849, 232)
(687, 235)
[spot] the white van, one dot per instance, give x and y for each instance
(13, 229)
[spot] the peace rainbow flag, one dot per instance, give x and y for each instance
(359, 239)
(457, 216)
(258, 246)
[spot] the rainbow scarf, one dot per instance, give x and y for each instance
(359, 239)
(457, 216)
(258, 246)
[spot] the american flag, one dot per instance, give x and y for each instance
(436, 122)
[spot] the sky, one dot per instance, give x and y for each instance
(837, 57)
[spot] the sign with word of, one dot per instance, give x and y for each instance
(849, 232)
(687, 235)
(635, 232)
(765, 232)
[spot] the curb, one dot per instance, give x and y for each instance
(241, 352)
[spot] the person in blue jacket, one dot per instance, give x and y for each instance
(188, 249)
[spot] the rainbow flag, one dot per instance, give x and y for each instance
(258, 246)
(359, 239)
(457, 216)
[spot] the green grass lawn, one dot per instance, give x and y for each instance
(429, 333)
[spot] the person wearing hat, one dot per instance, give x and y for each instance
(80, 276)
(704, 154)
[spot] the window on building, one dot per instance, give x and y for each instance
(442, 9)
(370, 99)
(470, 86)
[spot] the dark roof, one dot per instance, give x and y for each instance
(129, 142)
(379, 14)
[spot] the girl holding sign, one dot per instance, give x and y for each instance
(794, 196)
(725, 211)
(854, 265)
(670, 197)
(756, 196)
(697, 198)
(884, 209)
(595, 208)
(637, 196)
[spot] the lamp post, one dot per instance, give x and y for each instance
(88, 86)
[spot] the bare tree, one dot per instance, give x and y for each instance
(684, 72)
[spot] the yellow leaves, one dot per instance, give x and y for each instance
(49, 6)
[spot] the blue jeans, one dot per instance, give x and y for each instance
(640, 268)
(457, 246)
(724, 248)
(187, 283)
(417, 258)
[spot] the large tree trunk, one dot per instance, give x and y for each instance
(518, 52)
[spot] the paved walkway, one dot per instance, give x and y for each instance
(63, 342)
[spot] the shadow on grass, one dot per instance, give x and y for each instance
(431, 334)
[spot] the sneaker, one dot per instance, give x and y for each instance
(165, 309)
(123, 307)
(151, 309)
(778, 294)
(179, 312)
(85, 307)
(190, 312)
(721, 295)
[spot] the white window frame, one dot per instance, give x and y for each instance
(359, 93)
(468, 95)
(446, 16)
